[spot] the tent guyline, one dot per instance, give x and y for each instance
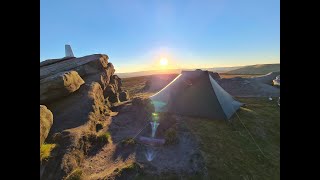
(141, 130)
(251, 135)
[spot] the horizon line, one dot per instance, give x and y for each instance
(192, 68)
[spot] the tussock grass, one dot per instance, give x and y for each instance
(75, 175)
(131, 170)
(45, 151)
(103, 138)
(229, 150)
(171, 136)
(128, 141)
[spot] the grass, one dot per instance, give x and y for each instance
(128, 141)
(228, 149)
(103, 138)
(132, 170)
(171, 136)
(256, 69)
(224, 75)
(75, 175)
(134, 84)
(45, 151)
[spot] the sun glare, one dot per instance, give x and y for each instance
(163, 61)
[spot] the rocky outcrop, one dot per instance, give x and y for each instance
(157, 82)
(101, 76)
(214, 75)
(267, 79)
(117, 82)
(92, 68)
(52, 61)
(114, 92)
(86, 106)
(79, 92)
(84, 65)
(124, 96)
(59, 85)
(46, 121)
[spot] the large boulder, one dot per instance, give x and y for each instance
(92, 68)
(114, 98)
(84, 65)
(124, 96)
(102, 76)
(59, 85)
(46, 121)
(117, 82)
(113, 90)
(87, 105)
(79, 107)
(156, 82)
(52, 61)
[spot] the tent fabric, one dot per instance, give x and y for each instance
(229, 105)
(195, 93)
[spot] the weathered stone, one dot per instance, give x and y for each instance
(52, 61)
(59, 85)
(92, 68)
(117, 82)
(46, 121)
(124, 96)
(106, 76)
(84, 66)
(110, 90)
(114, 98)
(87, 105)
(85, 110)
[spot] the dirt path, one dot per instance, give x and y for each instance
(183, 158)
(104, 163)
(113, 156)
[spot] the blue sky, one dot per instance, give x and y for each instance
(136, 34)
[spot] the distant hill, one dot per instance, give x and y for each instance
(147, 73)
(173, 71)
(256, 69)
(252, 69)
(222, 69)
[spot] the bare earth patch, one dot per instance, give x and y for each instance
(182, 158)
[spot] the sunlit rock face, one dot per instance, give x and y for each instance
(78, 93)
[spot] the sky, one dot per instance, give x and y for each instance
(136, 34)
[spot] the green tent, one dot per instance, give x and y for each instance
(196, 93)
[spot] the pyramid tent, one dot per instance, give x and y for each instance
(195, 93)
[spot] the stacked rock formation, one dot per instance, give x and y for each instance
(78, 92)
(75, 89)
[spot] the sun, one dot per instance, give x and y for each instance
(163, 61)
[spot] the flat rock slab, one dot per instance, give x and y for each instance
(151, 141)
(73, 64)
(59, 85)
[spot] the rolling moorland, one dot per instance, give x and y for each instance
(89, 128)
(227, 148)
(256, 69)
(249, 70)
